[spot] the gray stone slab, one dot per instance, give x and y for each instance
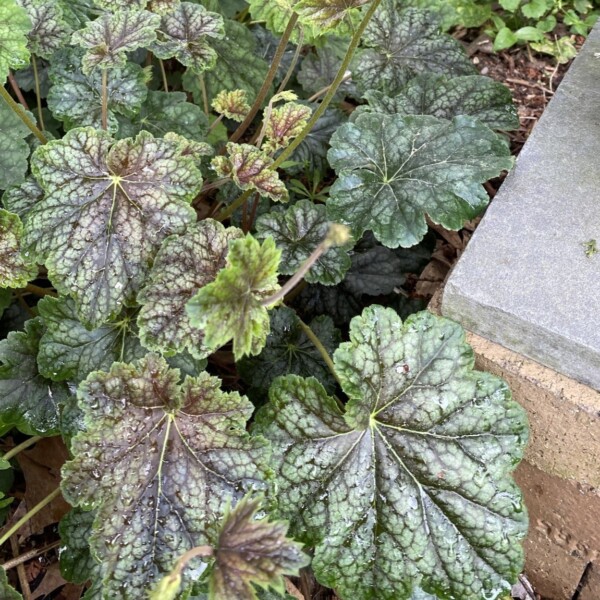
(524, 280)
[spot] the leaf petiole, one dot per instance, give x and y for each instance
(105, 99)
(22, 446)
(38, 96)
(310, 334)
(18, 109)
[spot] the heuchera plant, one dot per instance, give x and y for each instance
(194, 219)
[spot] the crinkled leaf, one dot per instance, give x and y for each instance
(297, 232)
(160, 462)
(111, 36)
(162, 7)
(76, 99)
(405, 43)
(14, 150)
(445, 98)
(78, 12)
(289, 351)
(14, 27)
(184, 264)
(15, 269)
(319, 68)
(230, 307)
(312, 151)
(76, 561)
(113, 5)
(28, 401)
(410, 485)
(250, 169)
(252, 551)
(49, 30)
(393, 170)
(165, 112)
(7, 592)
(237, 67)
(108, 206)
(19, 199)
(69, 351)
(276, 14)
(233, 105)
(184, 34)
(326, 14)
(284, 124)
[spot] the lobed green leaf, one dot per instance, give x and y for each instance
(15, 269)
(15, 24)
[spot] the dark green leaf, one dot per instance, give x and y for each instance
(479, 97)
(405, 43)
(5, 300)
(410, 485)
(183, 265)
(237, 65)
(297, 232)
(28, 401)
(49, 30)
(76, 562)
(165, 112)
(14, 27)
(230, 307)
(250, 551)
(289, 351)
(184, 34)
(393, 170)
(159, 462)
(108, 207)
(69, 351)
(111, 36)
(15, 269)
(76, 99)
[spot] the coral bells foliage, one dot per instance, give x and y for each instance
(203, 291)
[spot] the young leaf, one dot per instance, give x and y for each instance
(7, 592)
(76, 561)
(233, 105)
(230, 307)
(238, 67)
(184, 264)
(410, 485)
(297, 232)
(445, 98)
(250, 169)
(76, 99)
(14, 149)
(111, 36)
(160, 462)
(69, 351)
(405, 43)
(14, 27)
(183, 34)
(107, 208)
(284, 124)
(162, 7)
(252, 551)
(393, 170)
(276, 14)
(165, 112)
(15, 270)
(28, 401)
(49, 30)
(326, 14)
(288, 350)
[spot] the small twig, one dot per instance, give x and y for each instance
(23, 558)
(25, 589)
(17, 90)
(215, 123)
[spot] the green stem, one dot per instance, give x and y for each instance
(229, 210)
(215, 123)
(204, 95)
(38, 96)
(310, 334)
(105, 99)
(264, 90)
(22, 446)
(18, 109)
(164, 74)
(294, 62)
(34, 511)
(332, 90)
